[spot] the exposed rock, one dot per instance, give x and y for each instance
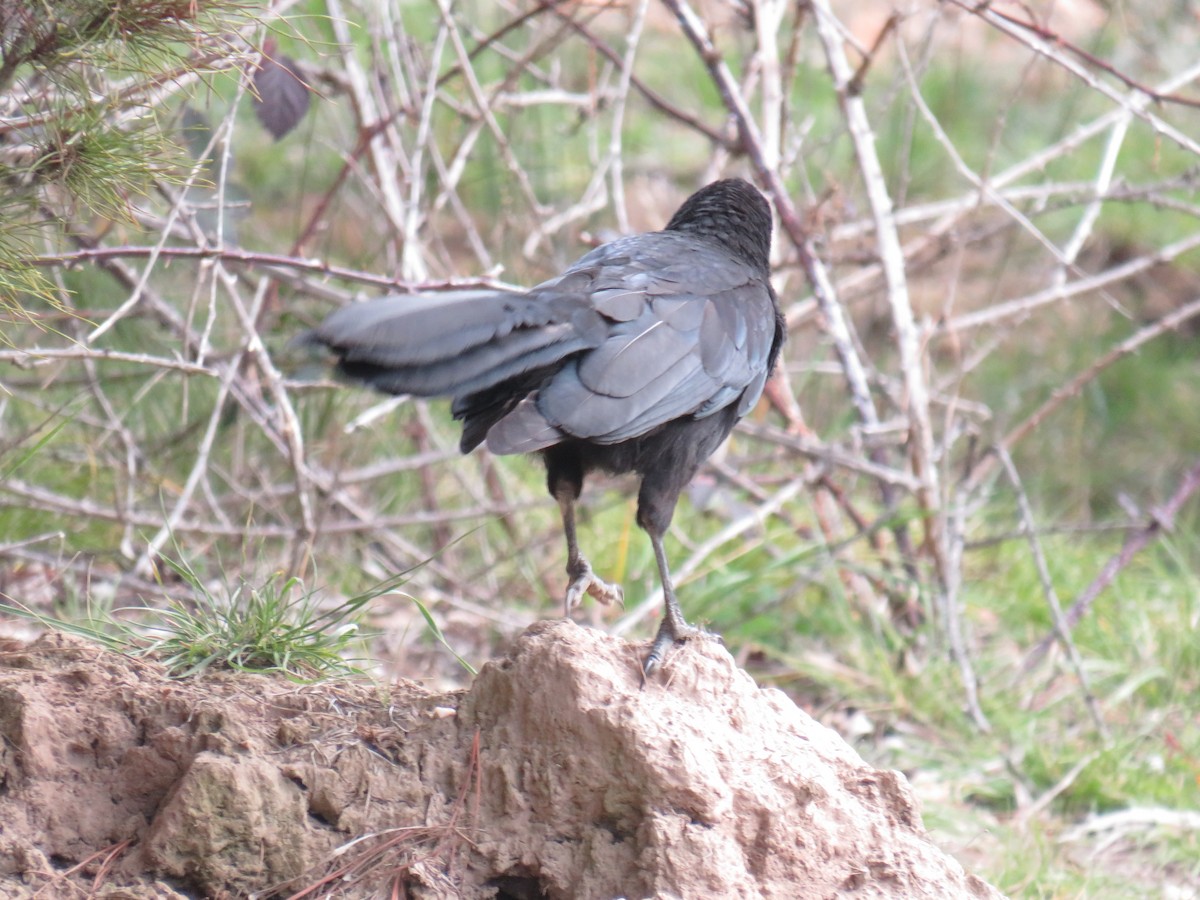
(559, 774)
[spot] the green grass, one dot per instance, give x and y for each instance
(775, 593)
(276, 626)
(1138, 648)
(273, 626)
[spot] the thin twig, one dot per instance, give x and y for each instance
(1060, 395)
(990, 12)
(1061, 629)
(891, 257)
(1162, 521)
(267, 261)
(951, 607)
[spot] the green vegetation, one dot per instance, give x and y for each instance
(160, 421)
(277, 627)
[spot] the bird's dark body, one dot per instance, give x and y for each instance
(667, 460)
(641, 357)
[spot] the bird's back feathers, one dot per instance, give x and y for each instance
(640, 332)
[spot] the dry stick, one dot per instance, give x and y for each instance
(955, 541)
(892, 258)
(983, 188)
(723, 471)
(448, 193)
(329, 485)
(318, 214)
(495, 37)
(1169, 322)
(263, 260)
(836, 323)
(1004, 537)
(128, 443)
(219, 136)
(892, 261)
(1030, 811)
(908, 341)
(422, 430)
(1054, 38)
(225, 143)
(145, 562)
(289, 422)
(1039, 44)
(648, 94)
(593, 196)
(1061, 630)
(1043, 194)
(412, 244)
(956, 209)
(386, 164)
(952, 212)
(249, 400)
(615, 144)
(115, 425)
(593, 200)
(829, 502)
(449, 176)
(105, 854)
(1091, 213)
(359, 865)
(168, 316)
(1129, 105)
(1162, 519)
(36, 356)
(484, 109)
(829, 454)
(1022, 306)
(854, 86)
(1123, 821)
(768, 17)
(190, 342)
(38, 497)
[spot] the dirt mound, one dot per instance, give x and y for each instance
(556, 775)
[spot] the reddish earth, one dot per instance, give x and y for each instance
(556, 775)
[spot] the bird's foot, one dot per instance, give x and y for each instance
(585, 581)
(673, 630)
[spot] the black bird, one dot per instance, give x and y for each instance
(640, 357)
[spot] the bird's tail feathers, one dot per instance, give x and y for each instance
(446, 345)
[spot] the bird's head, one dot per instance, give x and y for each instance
(733, 213)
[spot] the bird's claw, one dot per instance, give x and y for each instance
(672, 632)
(585, 581)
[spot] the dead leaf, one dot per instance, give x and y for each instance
(281, 97)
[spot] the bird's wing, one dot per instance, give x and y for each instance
(690, 332)
(457, 342)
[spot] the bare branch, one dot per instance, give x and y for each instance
(1163, 520)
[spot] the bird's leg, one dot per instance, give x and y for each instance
(583, 579)
(656, 506)
(674, 627)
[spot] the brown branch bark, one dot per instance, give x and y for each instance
(1162, 520)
